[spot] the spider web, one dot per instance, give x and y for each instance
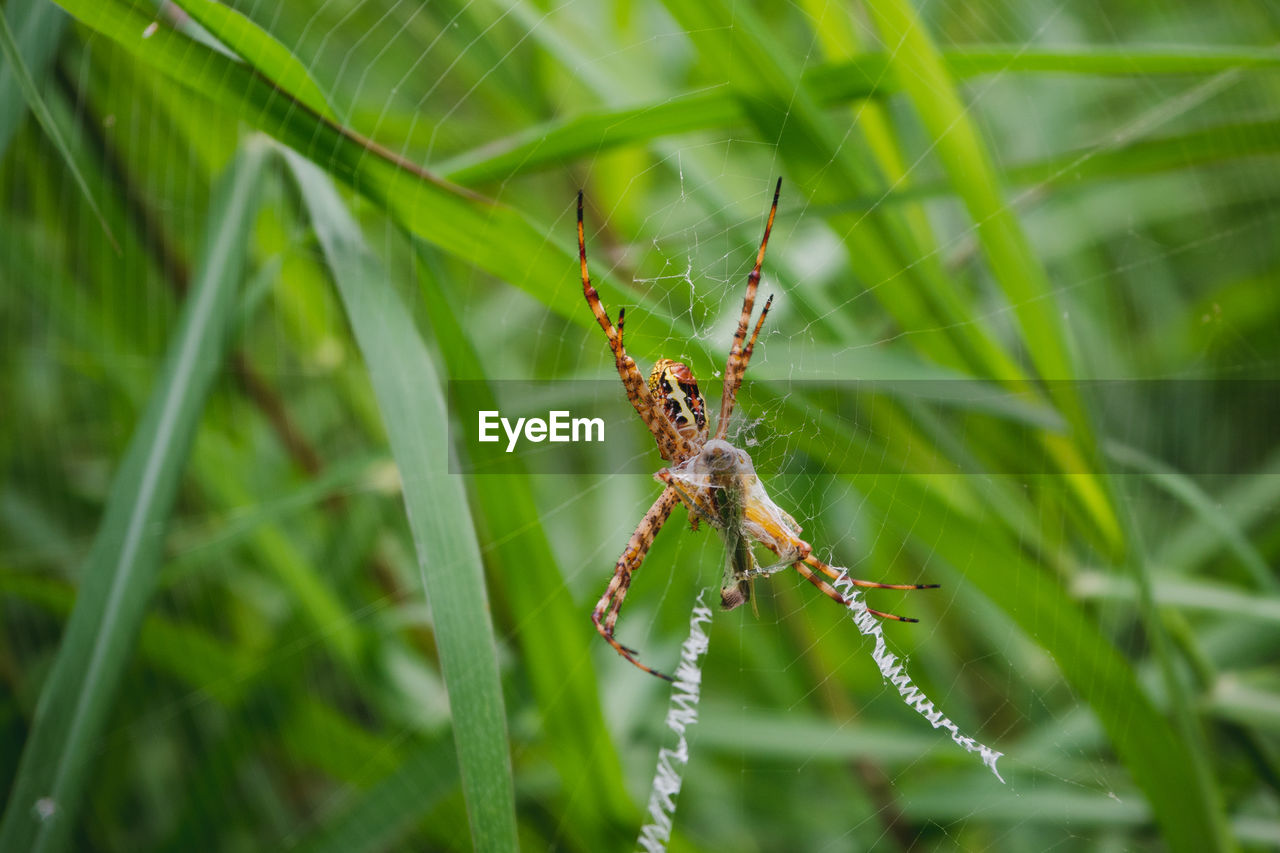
(1158, 273)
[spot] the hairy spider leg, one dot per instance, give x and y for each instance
(605, 616)
(738, 356)
(755, 333)
(671, 445)
(831, 592)
(834, 574)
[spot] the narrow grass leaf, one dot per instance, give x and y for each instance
(212, 471)
(1207, 511)
(412, 403)
(1247, 502)
(13, 56)
(1160, 631)
(555, 635)
(1162, 155)
(851, 78)
(37, 27)
(1245, 703)
(377, 818)
(183, 651)
(556, 142)
(1159, 760)
(792, 736)
(1202, 596)
(120, 571)
(261, 50)
(1046, 804)
(593, 133)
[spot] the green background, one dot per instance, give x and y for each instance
(244, 604)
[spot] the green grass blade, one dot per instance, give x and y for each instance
(927, 83)
(37, 27)
(1156, 156)
(1207, 512)
(1135, 158)
(1248, 704)
(864, 76)
(555, 142)
(121, 569)
(1053, 804)
(462, 224)
(1238, 508)
(1118, 61)
(261, 50)
(1159, 760)
(797, 737)
(413, 409)
(18, 66)
(1225, 601)
(555, 636)
(180, 650)
(378, 817)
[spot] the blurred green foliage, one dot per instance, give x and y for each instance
(243, 605)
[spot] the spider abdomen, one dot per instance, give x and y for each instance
(675, 391)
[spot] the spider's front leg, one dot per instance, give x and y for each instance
(670, 442)
(740, 355)
(605, 616)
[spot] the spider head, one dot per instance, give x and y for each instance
(675, 391)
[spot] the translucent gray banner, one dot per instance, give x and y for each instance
(880, 427)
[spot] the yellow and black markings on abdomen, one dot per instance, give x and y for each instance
(671, 384)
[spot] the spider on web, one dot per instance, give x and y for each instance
(713, 479)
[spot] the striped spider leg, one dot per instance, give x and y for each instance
(605, 616)
(672, 443)
(739, 356)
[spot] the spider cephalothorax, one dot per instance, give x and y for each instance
(715, 480)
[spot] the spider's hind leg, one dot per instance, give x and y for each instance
(605, 615)
(834, 575)
(834, 594)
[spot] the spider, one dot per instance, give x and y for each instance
(713, 479)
